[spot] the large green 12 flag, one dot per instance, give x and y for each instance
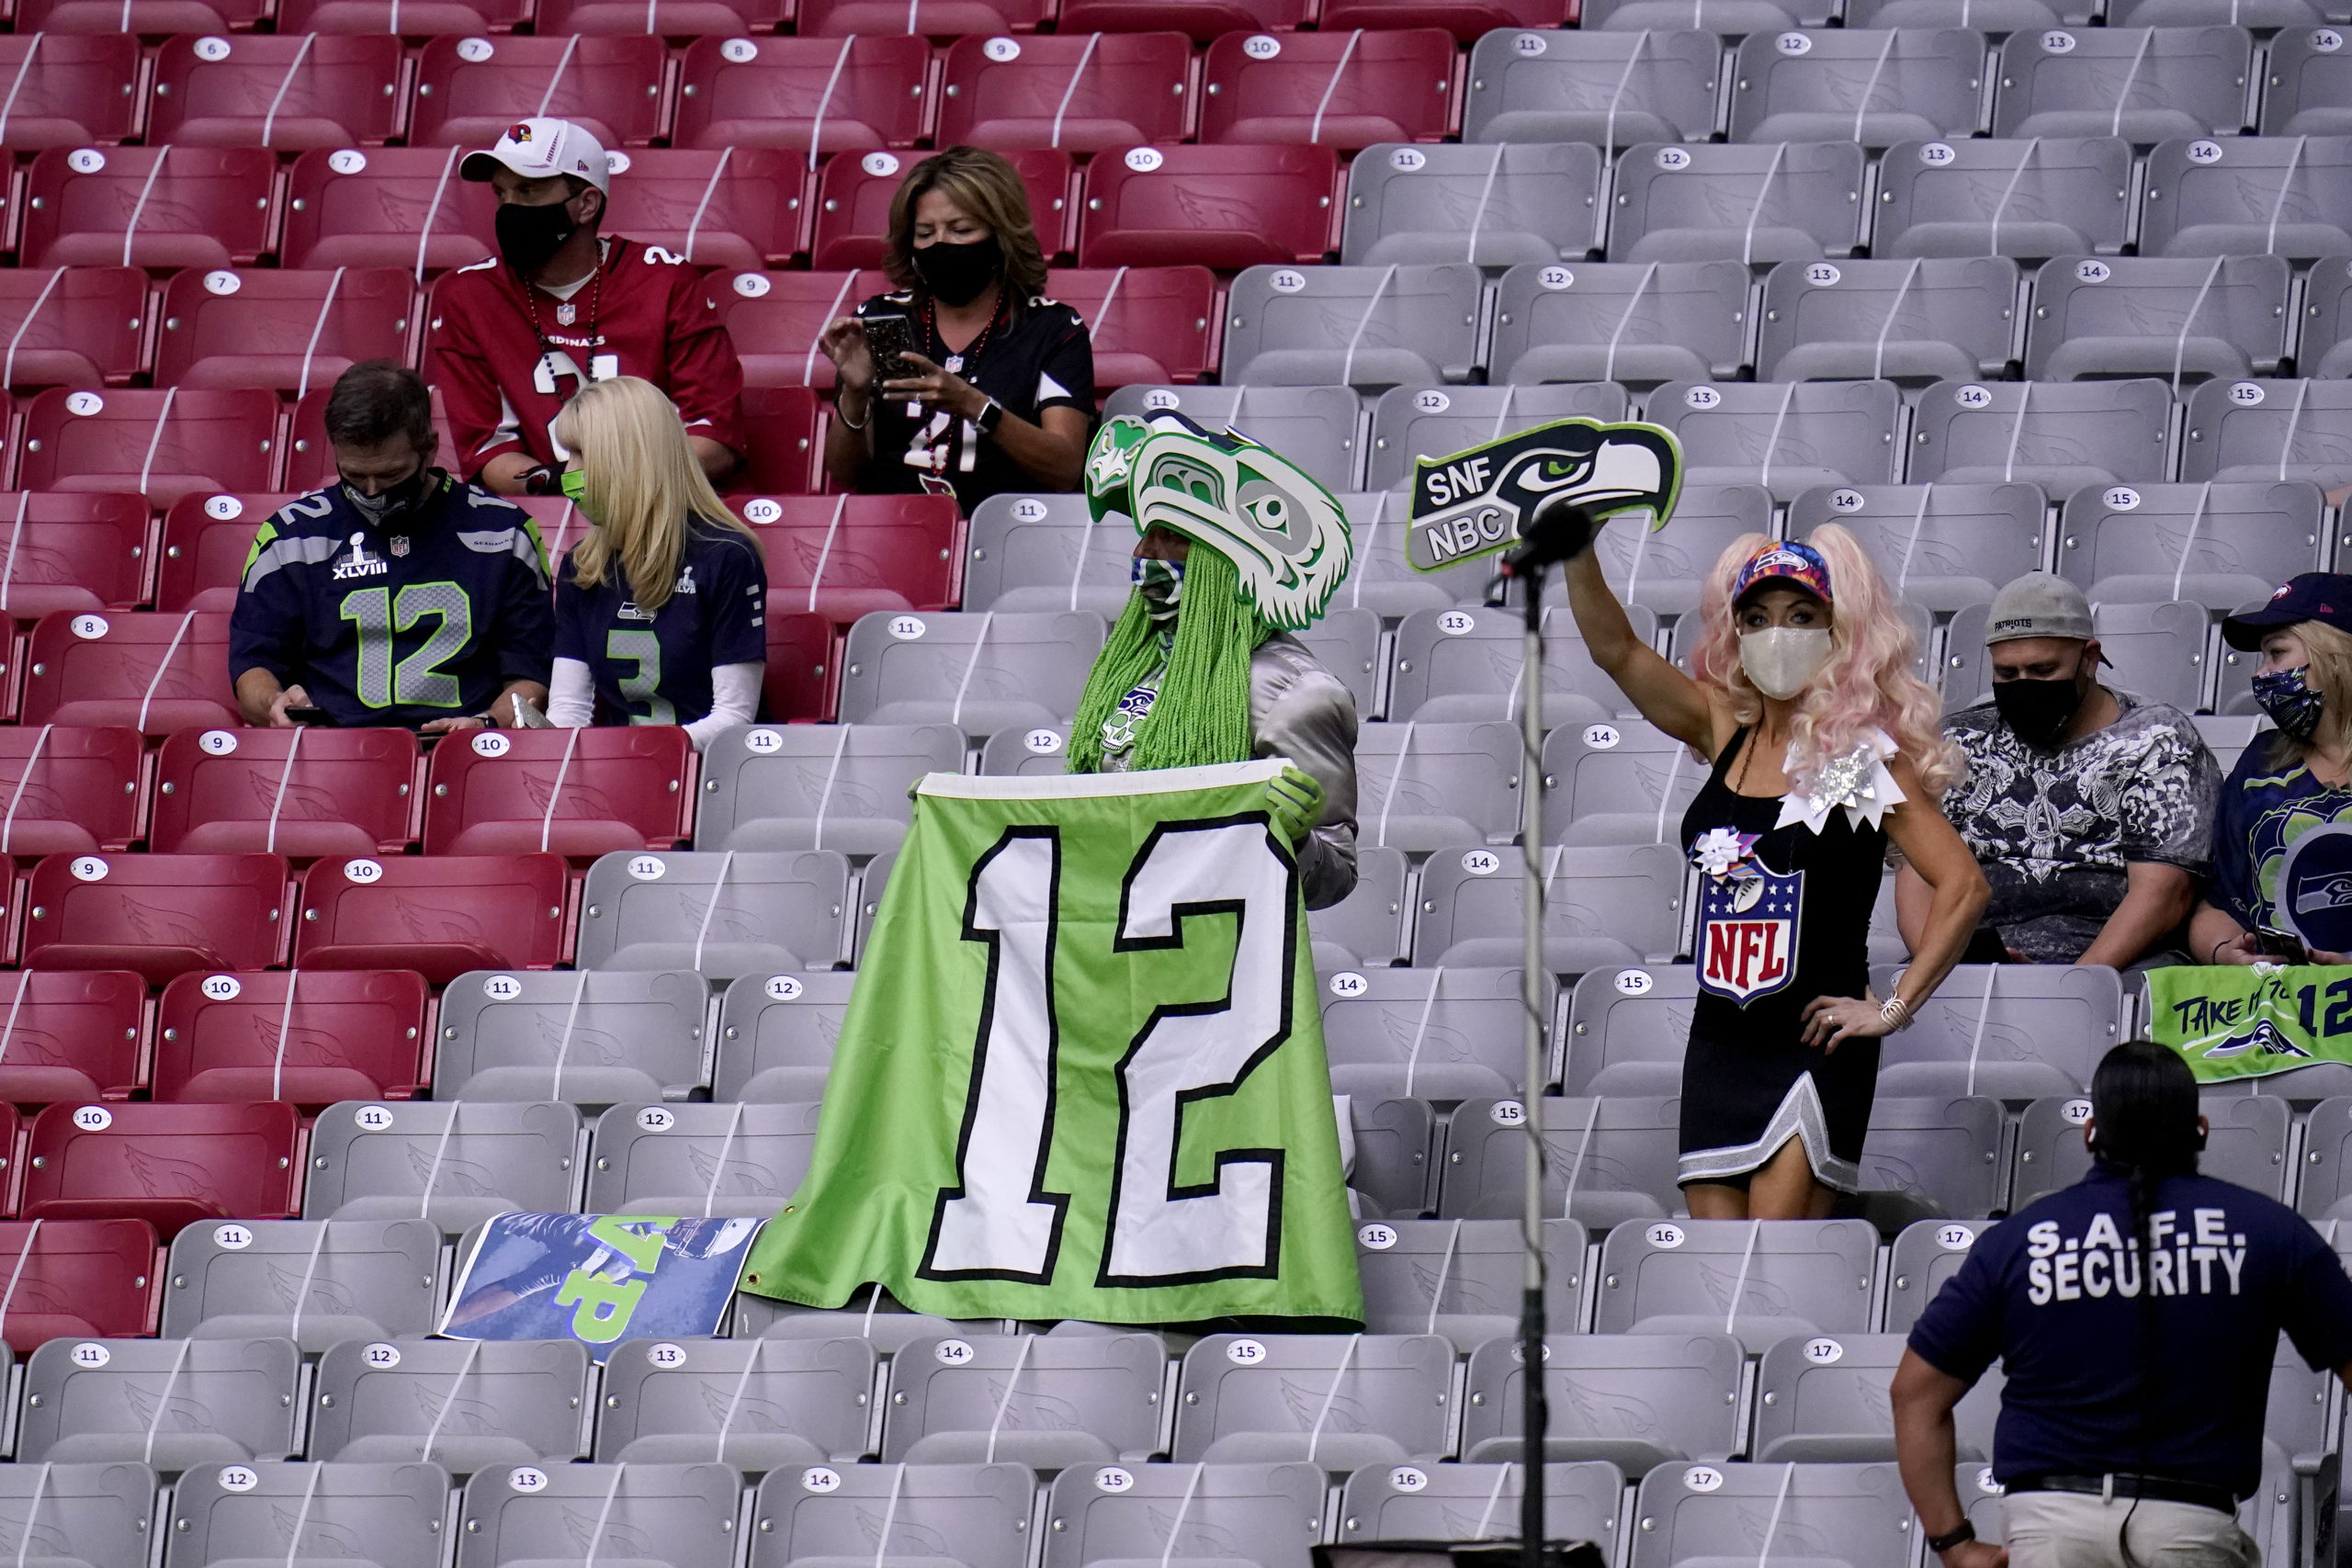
(1081, 1073)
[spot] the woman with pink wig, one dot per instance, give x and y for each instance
(1824, 747)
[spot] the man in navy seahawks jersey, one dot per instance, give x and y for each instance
(397, 596)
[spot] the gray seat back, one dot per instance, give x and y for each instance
(810, 787)
(1313, 426)
(1620, 1150)
(1799, 201)
(587, 1037)
(1037, 751)
(1346, 642)
(2269, 430)
(456, 1164)
(777, 1035)
(982, 671)
(1463, 1277)
(2328, 1161)
(2276, 195)
(679, 1515)
(1492, 206)
(1463, 663)
(722, 914)
(2307, 85)
(1335, 1400)
(758, 1404)
(1627, 321)
(1627, 1028)
(1046, 552)
(1394, 1168)
(2158, 651)
(391, 1515)
(1614, 905)
(1850, 1514)
(1938, 545)
(1266, 1514)
(1635, 1400)
(88, 1516)
(1666, 570)
(166, 1403)
(907, 1515)
(1787, 438)
(1610, 89)
(463, 1403)
(313, 1282)
(1821, 1398)
(1875, 87)
(2059, 434)
(1440, 1033)
(2039, 197)
(2142, 84)
(1380, 580)
(1745, 1277)
(742, 1159)
(1913, 320)
(1478, 1502)
(2016, 1031)
(1942, 1154)
(1047, 1400)
(1409, 423)
(2156, 316)
(1421, 785)
(1925, 1254)
(1622, 783)
(1355, 326)
(1367, 926)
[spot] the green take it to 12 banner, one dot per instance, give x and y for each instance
(2232, 1021)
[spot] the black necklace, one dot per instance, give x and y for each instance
(595, 314)
(969, 354)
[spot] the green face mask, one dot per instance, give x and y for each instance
(574, 482)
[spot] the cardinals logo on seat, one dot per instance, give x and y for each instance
(1748, 933)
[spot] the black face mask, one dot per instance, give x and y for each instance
(529, 237)
(956, 273)
(2039, 711)
(392, 502)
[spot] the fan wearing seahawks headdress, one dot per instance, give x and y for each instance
(1236, 548)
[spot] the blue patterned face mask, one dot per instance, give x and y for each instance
(2290, 702)
(1162, 583)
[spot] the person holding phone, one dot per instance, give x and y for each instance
(965, 380)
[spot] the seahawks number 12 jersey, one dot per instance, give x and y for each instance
(429, 616)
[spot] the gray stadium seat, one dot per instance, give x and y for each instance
(2307, 84)
(1411, 422)
(758, 1404)
(1393, 1172)
(1666, 570)
(1480, 1502)
(1463, 1279)
(2151, 316)
(1379, 579)
(818, 786)
(2325, 1191)
(1938, 545)
(725, 913)
(1440, 1034)
(1604, 907)
(1366, 929)
(1040, 752)
(2157, 650)
(1992, 17)
(984, 671)
(1463, 663)
(1423, 785)
(1627, 321)
(1855, 1515)
(1939, 1155)
(871, 883)
(1617, 783)
(2247, 1145)
(1267, 1515)
(2323, 351)
(1789, 201)
(975, 1514)
(2013, 1030)
(1619, 1149)
(678, 1516)
(1788, 438)
(464, 1404)
(1634, 1400)
(1627, 1031)
(1355, 326)
(1346, 641)
(1313, 426)
(2302, 1404)
(1049, 1400)
(167, 1403)
(870, 1314)
(1925, 1254)
(1914, 319)
(1733, 18)
(456, 1164)
(777, 1035)
(2218, 545)
(2227, 735)
(2059, 434)
(2269, 430)
(313, 1282)
(89, 1516)
(1759, 1280)
(2142, 84)
(389, 1515)
(740, 1159)
(2257, 14)
(1823, 1399)
(1492, 206)
(1609, 89)
(589, 1037)
(2284, 195)
(1338, 1400)
(1046, 552)
(2038, 197)
(1846, 84)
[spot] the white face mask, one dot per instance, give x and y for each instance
(1781, 660)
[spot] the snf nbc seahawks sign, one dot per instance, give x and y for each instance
(1475, 502)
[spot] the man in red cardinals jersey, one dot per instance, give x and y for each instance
(562, 305)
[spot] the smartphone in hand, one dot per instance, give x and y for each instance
(2284, 947)
(309, 715)
(889, 338)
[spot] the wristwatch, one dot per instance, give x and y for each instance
(541, 481)
(1943, 1543)
(989, 418)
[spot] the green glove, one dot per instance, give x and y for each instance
(1294, 800)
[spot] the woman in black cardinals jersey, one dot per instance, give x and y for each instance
(660, 611)
(1000, 390)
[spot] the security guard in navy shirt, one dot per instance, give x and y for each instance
(2136, 1313)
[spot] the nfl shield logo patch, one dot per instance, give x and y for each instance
(400, 544)
(1747, 931)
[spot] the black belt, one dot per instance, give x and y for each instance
(2155, 1488)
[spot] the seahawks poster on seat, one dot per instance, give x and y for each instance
(1082, 1074)
(2231, 1021)
(599, 1278)
(1476, 501)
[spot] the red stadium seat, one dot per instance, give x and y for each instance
(779, 429)
(841, 556)
(79, 1280)
(285, 92)
(1468, 20)
(662, 18)
(1220, 207)
(343, 1034)
(156, 443)
(401, 207)
(287, 331)
(1200, 19)
(1079, 92)
(152, 672)
(439, 916)
(75, 326)
(160, 915)
(172, 1166)
(577, 792)
(800, 683)
(468, 90)
(789, 92)
(853, 219)
(299, 793)
(206, 540)
(776, 318)
(71, 551)
(309, 457)
(149, 17)
(1149, 325)
(409, 18)
(71, 1035)
(113, 206)
(730, 209)
(69, 90)
(69, 790)
(1345, 89)
(928, 19)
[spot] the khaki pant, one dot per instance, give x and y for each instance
(2072, 1530)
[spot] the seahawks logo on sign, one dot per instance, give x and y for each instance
(1476, 501)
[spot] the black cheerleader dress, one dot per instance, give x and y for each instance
(1787, 919)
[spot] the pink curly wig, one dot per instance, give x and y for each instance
(1867, 681)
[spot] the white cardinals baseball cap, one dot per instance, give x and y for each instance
(542, 147)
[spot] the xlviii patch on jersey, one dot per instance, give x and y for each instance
(1748, 933)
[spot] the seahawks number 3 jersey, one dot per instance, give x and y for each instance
(653, 666)
(427, 618)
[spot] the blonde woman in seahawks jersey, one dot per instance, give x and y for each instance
(1236, 548)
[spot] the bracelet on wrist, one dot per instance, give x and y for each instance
(1896, 1013)
(841, 408)
(1940, 1545)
